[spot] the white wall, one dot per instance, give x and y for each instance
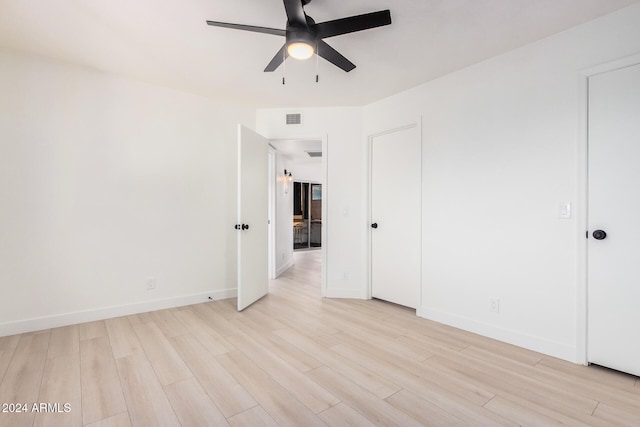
(308, 172)
(500, 152)
(284, 217)
(346, 227)
(105, 182)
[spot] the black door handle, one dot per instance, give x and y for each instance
(374, 225)
(245, 226)
(599, 234)
(237, 226)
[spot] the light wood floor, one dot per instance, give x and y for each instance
(294, 359)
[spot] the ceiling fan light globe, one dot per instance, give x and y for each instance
(300, 50)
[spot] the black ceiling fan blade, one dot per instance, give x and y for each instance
(253, 28)
(352, 24)
(277, 59)
(295, 13)
(333, 56)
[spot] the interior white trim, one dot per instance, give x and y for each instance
(325, 215)
(272, 213)
(582, 216)
(65, 319)
(344, 293)
(530, 342)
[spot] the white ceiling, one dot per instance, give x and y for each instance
(296, 150)
(167, 42)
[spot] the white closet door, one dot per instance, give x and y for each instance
(396, 216)
(614, 209)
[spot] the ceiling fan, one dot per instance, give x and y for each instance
(304, 37)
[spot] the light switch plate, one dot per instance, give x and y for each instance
(565, 210)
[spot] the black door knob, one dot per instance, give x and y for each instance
(374, 225)
(599, 234)
(245, 226)
(237, 227)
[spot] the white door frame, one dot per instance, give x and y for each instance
(582, 217)
(418, 124)
(325, 216)
(272, 212)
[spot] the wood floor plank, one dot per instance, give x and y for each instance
(616, 416)
(295, 317)
(297, 358)
(168, 323)
(21, 383)
(524, 406)
(306, 391)
(422, 410)
(603, 392)
(344, 415)
(64, 341)
(123, 339)
(7, 348)
(192, 405)
(504, 382)
(404, 351)
(604, 384)
(253, 417)
(229, 396)
(588, 374)
(412, 376)
(207, 336)
(61, 386)
(375, 409)
(275, 399)
(166, 362)
(369, 380)
(520, 414)
(120, 420)
(92, 330)
(101, 391)
(146, 400)
(207, 311)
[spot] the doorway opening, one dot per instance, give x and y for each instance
(302, 165)
(307, 215)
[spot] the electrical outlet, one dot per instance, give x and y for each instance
(151, 283)
(494, 305)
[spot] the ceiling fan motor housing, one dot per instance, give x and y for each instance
(301, 35)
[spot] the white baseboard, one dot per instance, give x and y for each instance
(345, 293)
(287, 265)
(541, 345)
(65, 319)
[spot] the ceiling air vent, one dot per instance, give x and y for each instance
(314, 153)
(294, 119)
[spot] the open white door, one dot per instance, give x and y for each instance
(614, 229)
(252, 225)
